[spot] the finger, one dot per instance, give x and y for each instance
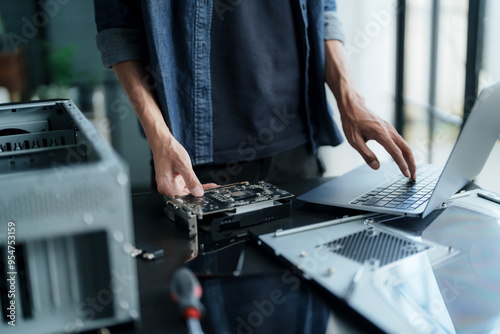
(367, 154)
(167, 187)
(210, 186)
(192, 182)
(410, 160)
(205, 187)
(407, 154)
(413, 169)
(396, 153)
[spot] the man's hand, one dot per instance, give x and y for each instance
(360, 124)
(174, 172)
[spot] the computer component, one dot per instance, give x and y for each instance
(223, 262)
(381, 273)
(66, 192)
(472, 148)
(147, 252)
(223, 214)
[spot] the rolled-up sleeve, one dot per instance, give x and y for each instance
(120, 30)
(333, 25)
(121, 44)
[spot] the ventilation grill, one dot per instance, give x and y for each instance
(60, 276)
(375, 245)
(48, 202)
(30, 141)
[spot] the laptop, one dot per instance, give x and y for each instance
(386, 190)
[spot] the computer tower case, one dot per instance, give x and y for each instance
(67, 195)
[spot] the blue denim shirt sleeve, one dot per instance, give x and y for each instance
(333, 26)
(120, 28)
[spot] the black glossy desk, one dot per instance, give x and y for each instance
(159, 313)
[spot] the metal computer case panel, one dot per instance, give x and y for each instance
(68, 194)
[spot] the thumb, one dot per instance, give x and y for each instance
(192, 182)
(368, 156)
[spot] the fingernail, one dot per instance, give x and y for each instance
(197, 191)
(407, 173)
(374, 164)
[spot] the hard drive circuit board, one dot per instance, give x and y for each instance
(229, 197)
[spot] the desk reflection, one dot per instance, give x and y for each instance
(429, 292)
(271, 303)
(470, 284)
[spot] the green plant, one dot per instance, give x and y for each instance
(61, 65)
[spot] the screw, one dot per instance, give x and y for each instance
(88, 218)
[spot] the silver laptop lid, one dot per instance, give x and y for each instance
(473, 146)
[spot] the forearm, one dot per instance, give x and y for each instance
(132, 76)
(339, 79)
(174, 173)
(358, 122)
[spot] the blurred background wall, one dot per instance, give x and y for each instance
(55, 42)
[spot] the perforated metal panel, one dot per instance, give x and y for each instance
(57, 276)
(63, 202)
(374, 245)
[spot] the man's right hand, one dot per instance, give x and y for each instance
(174, 172)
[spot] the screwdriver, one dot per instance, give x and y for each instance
(186, 291)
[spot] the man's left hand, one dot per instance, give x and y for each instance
(360, 124)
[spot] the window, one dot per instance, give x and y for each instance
(434, 75)
(488, 74)
(436, 51)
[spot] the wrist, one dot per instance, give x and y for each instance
(158, 136)
(348, 99)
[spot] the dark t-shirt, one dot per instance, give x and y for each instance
(257, 69)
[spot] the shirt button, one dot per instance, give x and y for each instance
(204, 47)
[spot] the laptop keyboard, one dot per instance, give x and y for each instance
(404, 194)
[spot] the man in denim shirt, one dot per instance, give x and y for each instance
(236, 88)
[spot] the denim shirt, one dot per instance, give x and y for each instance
(173, 37)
